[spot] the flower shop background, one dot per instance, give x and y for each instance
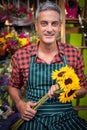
(16, 31)
(75, 39)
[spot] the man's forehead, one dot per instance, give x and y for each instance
(49, 15)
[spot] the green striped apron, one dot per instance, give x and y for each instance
(52, 115)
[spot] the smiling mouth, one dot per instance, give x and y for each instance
(49, 35)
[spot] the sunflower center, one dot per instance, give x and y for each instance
(61, 74)
(68, 81)
(71, 92)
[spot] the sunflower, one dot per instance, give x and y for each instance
(54, 74)
(58, 75)
(67, 96)
(68, 81)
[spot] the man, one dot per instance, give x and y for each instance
(34, 64)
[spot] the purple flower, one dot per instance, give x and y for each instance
(22, 35)
(4, 80)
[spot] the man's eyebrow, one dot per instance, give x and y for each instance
(48, 21)
(44, 21)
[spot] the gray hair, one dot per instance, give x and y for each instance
(48, 5)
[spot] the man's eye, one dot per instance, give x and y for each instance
(43, 24)
(55, 23)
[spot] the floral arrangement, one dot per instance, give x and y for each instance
(20, 15)
(16, 42)
(20, 12)
(69, 83)
(5, 100)
(15, 12)
(11, 42)
(8, 111)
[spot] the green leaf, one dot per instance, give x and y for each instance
(58, 91)
(4, 87)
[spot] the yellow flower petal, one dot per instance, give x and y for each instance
(67, 96)
(54, 74)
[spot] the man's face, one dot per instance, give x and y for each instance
(48, 26)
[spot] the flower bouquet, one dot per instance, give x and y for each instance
(5, 100)
(8, 111)
(69, 84)
(11, 42)
(20, 16)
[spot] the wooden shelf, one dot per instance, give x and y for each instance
(76, 28)
(73, 30)
(72, 20)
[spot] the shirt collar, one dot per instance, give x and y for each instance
(59, 45)
(60, 49)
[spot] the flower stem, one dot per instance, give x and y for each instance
(16, 125)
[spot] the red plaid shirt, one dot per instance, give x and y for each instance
(21, 62)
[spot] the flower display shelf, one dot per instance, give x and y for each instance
(8, 111)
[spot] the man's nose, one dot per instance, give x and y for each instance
(49, 27)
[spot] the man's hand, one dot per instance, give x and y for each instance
(51, 92)
(26, 110)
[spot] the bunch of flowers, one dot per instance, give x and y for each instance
(21, 12)
(5, 100)
(13, 42)
(16, 14)
(8, 111)
(69, 83)
(20, 15)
